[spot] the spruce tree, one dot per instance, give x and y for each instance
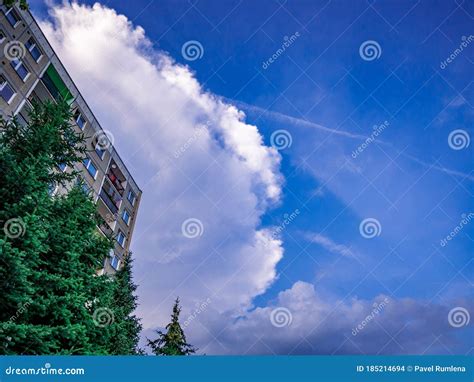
(125, 333)
(173, 342)
(50, 249)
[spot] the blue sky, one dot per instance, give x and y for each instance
(413, 178)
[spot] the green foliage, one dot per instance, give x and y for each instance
(50, 249)
(173, 342)
(23, 4)
(125, 333)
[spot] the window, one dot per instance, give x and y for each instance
(20, 68)
(6, 91)
(21, 120)
(80, 120)
(126, 217)
(115, 262)
(131, 197)
(79, 182)
(12, 17)
(90, 167)
(100, 152)
(121, 238)
(34, 49)
(87, 190)
(62, 167)
(52, 188)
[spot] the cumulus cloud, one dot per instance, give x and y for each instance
(194, 157)
(311, 324)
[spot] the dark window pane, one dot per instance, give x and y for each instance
(6, 91)
(12, 17)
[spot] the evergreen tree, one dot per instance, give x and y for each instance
(23, 4)
(173, 342)
(126, 329)
(52, 301)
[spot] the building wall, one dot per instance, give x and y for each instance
(109, 165)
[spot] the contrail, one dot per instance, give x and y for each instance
(280, 117)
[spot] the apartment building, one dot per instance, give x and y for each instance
(30, 70)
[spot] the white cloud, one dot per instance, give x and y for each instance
(383, 325)
(330, 245)
(224, 175)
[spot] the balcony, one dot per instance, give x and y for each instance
(106, 229)
(108, 221)
(117, 178)
(55, 85)
(111, 205)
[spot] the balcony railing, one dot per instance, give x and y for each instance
(108, 201)
(105, 229)
(116, 183)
